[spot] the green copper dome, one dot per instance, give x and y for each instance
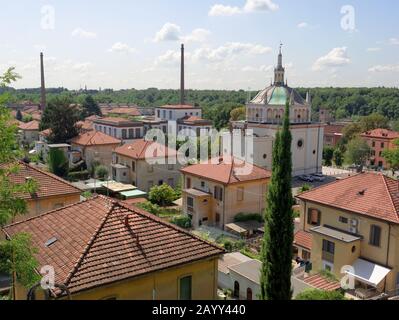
(277, 95)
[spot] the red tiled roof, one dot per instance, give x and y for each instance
(94, 138)
(101, 241)
(179, 106)
(303, 239)
(139, 149)
(48, 184)
(227, 171)
(194, 120)
(126, 110)
(319, 282)
(85, 125)
(369, 194)
(45, 133)
(381, 133)
(33, 125)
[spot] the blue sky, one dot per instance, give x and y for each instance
(230, 44)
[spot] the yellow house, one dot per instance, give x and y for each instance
(29, 131)
(216, 191)
(52, 193)
(146, 164)
(102, 249)
(354, 222)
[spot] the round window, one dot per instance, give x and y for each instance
(300, 143)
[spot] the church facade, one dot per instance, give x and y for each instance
(264, 117)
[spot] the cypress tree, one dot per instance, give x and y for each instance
(279, 226)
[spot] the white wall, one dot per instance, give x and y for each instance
(176, 114)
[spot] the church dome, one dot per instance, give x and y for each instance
(278, 95)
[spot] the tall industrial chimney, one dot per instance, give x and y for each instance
(182, 99)
(43, 86)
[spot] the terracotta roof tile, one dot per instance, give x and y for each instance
(369, 194)
(179, 106)
(319, 282)
(33, 125)
(94, 138)
(381, 133)
(48, 183)
(227, 171)
(303, 239)
(139, 149)
(101, 241)
(127, 111)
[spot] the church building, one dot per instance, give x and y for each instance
(264, 116)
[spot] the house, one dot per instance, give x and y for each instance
(101, 249)
(353, 222)
(239, 274)
(120, 128)
(53, 192)
(135, 163)
(333, 134)
(191, 126)
(95, 146)
(379, 141)
(29, 131)
(216, 191)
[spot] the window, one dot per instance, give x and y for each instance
(240, 194)
(134, 166)
(382, 145)
(170, 115)
(305, 255)
(218, 193)
(115, 135)
(109, 131)
(202, 184)
(375, 236)
(164, 114)
(328, 246)
(314, 217)
(185, 288)
(343, 220)
(160, 182)
(188, 183)
(300, 143)
(236, 293)
(190, 204)
(124, 134)
(373, 144)
(159, 113)
(138, 133)
(131, 133)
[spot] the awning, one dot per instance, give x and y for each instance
(133, 194)
(369, 273)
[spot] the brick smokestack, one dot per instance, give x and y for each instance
(42, 85)
(182, 98)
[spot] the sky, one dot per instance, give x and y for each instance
(230, 44)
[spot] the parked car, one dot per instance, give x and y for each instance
(307, 178)
(318, 177)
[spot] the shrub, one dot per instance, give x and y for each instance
(150, 207)
(305, 187)
(228, 246)
(58, 163)
(242, 217)
(313, 294)
(101, 172)
(182, 222)
(163, 195)
(78, 175)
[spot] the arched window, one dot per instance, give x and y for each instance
(236, 293)
(249, 294)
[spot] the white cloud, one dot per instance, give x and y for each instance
(337, 57)
(373, 49)
(80, 33)
(385, 68)
(260, 5)
(394, 41)
(169, 58)
(222, 10)
(122, 48)
(229, 51)
(263, 68)
(302, 25)
(82, 67)
(249, 7)
(169, 32)
(197, 35)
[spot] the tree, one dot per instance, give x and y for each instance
(238, 114)
(328, 153)
(392, 156)
(305, 187)
(163, 195)
(101, 172)
(90, 107)
(276, 252)
(18, 116)
(338, 157)
(357, 152)
(374, 121)
(314, 294)
(61, 117)
(58, 162)
(17, 254)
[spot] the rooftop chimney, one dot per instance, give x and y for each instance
(43, 86)
(182, 102)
